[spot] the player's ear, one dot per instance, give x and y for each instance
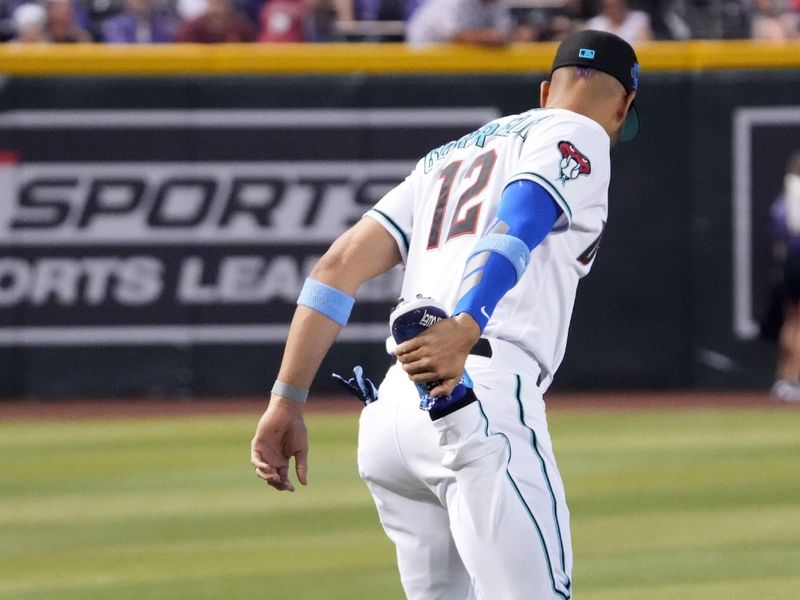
(626, 105)
(629, 100)
(544, 93)
(623, 107)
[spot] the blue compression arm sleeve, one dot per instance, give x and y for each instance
(527, 213)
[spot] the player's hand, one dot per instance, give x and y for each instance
(280, 435)
(439, 353)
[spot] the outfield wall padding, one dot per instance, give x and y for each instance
(156, 229)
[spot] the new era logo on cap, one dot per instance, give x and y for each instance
(586, 53)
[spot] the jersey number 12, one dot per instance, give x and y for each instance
(468, 223)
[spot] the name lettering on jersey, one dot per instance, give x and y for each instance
(478, 138)
(519, 125)
(573, 163)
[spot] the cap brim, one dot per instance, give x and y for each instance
(631, 126)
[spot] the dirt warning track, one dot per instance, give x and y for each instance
(155, 407)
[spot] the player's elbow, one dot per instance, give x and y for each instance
(338, 267)
(363, 252)
(329, 267)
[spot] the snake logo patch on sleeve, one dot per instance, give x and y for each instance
(573, 162)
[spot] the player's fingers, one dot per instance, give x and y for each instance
(408, 346)
(301, 465)
(412, 355)
(272, 479)
(420, 365)
(259, 463)
(263, 468)
(275, 476)
(268, 476)
(445, 388)
(278, 485)
(284, 475)
(424, 377)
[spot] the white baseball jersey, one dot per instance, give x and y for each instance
(451, 199)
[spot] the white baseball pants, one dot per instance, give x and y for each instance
(473, 502)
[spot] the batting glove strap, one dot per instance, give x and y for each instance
(358, 385)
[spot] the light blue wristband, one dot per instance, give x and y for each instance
(326, 300)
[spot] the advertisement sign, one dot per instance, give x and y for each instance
(191, 226)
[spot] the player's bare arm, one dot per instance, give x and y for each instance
(361, 253)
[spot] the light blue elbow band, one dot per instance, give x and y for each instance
(326, 300)
(513, 249)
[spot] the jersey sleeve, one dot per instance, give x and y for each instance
(570, 160)
(395, 212)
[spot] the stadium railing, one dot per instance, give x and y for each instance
(369, 58)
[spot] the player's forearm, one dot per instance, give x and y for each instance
(310, 337)
(363, 252)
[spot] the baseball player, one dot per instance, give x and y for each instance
(498, 227)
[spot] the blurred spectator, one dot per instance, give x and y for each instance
(97, 13)
(81, 15)
(321, 21)
(774, 21)
(385, 10)
(785, 214)
(61, 25)
(485, 22)
(219, 24)
(283, 21)
(568, 18)
(705, 19)
(617, 17)
(664, 22)
(140, 23)
(190, 9)
(29, 24)
(251, 9)
(297, 21)
(345, 11)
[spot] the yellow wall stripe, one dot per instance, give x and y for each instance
(367, 58)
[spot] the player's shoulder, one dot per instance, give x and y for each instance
(561, 128)
(563, 119)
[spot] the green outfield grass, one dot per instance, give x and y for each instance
(665, 505)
